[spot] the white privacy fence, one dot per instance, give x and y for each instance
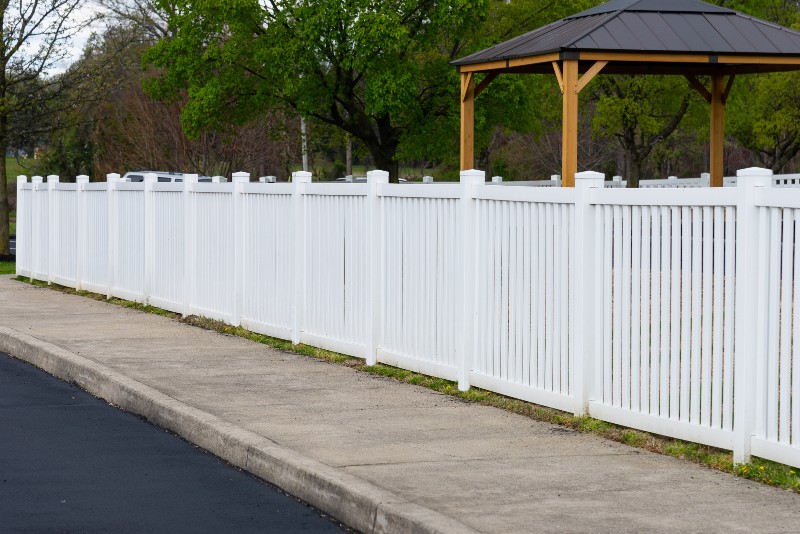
(778, 180)
(671, 310)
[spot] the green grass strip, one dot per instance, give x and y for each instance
(760, 470)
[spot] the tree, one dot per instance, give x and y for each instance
(640, 112)
(379, 71)
(35, 41)
(765, 117)
(374, 70)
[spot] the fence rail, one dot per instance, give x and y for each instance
(667, 310)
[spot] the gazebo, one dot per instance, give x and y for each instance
(678, 37)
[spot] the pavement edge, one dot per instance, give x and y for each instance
(357, 503)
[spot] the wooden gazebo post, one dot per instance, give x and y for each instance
(717, 141)
(569, 122)
(467, 120)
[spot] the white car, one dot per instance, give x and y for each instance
(166, 176)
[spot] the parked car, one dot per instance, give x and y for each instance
(167, 176)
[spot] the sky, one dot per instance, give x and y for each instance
(79, 41)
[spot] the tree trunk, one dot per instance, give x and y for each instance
(634, 171)
(349, 156)
(384, 161)
(4, 208)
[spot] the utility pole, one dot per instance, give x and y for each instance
(303, 135)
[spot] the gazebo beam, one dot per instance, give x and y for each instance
(467, 120)
(699, 87)
(717, 128)
(569, 142)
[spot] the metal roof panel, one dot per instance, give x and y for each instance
(663, 6)
(683, 26)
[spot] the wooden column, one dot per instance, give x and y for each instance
(467, 121)
(717, 128)
(569, 142)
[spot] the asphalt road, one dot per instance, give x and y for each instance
(71, 463)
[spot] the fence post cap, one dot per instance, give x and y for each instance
(672, 177)
(753, 171)
(497, 179)
(112, 177)
(21, 179)
(301, 177)
(82, 179)
(37, 179)
(150, 178)
(377, 177)
(52, 179)
(473, 176)
(427, 179)
(590, 175)
(555, 177)
(240, 177)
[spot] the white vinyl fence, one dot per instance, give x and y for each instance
(672, 310)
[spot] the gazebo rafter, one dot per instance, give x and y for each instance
(688, 38)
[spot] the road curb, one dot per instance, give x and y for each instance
(355, 502)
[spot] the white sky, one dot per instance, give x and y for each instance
(79, 41)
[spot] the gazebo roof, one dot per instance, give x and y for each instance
(646, 28)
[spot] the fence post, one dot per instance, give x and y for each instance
(21, 224)
(111, 247)
(750, 322)
(239, 179)
(36, 221)
(705, 179)
(374, 248)
(80, 255)
(585, 304)
(150, 179)
(188, 241)
(299, 181)
(52, 180)
(497, 179)
(469, 183)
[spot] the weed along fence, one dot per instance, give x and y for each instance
(671, 310)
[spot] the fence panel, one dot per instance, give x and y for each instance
(335, 267)
(212, 281)
(420, 260)
(668, 308)
(64, 232)
(524, 343)
(777, 432)
(40, 231)
(95, 253)
(167, 288)
(128, 240)
(24, 221)
(268, 276)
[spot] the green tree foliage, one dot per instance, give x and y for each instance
(764, 110)
(764, 116)
(377, 70)
(640, 112)
(372, 69)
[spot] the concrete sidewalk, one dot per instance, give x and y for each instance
(377, 454)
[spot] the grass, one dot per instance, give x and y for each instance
(12, 225)
(8, 267)
(759, 470)
(16, 167)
